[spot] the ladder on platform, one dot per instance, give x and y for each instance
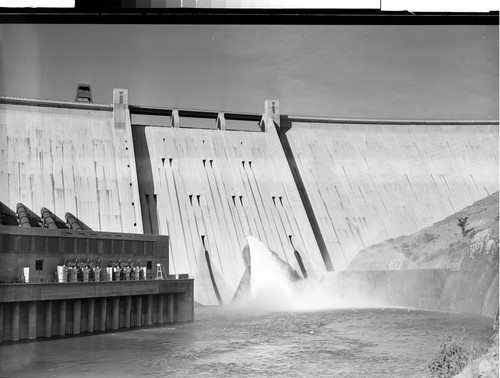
(161, 273)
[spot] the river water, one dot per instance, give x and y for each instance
(226, 342)
(280, 328)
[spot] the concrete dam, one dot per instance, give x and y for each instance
(314, 190)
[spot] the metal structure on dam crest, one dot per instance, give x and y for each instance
(315, 190)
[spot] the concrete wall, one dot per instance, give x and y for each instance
(473, 289)
(365, 183)
(71, 160)
(209, 189)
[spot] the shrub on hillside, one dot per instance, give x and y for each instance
(450, 360)
(462, 223)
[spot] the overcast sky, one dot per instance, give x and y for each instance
(415, 72)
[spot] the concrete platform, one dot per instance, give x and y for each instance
(31, 311)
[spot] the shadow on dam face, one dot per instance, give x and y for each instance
(147, 195)
(304, 197)
(301, 263)
(211, 272)
(212, 278)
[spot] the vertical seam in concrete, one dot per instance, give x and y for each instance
(245, 188)
(217, 217)
(259, 216)
(228, 201)
(266, 218)
(98, 195)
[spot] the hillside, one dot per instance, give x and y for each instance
(440, 246)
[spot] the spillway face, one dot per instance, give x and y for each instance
(212, 189)
(365, 183)
(79, 160)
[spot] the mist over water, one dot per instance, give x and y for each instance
(271, 288)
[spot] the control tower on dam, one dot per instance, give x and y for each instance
(315, 190)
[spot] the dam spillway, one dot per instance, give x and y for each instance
(211, 189)
(321, 189)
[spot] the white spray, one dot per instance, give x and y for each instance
(272, 290)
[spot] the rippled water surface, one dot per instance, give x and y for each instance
(228, 343)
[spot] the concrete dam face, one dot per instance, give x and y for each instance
(315, 191)
(366, 183)
(71, 157)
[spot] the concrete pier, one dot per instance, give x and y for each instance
(90, 314)
(170, 308)
(31, 320)
(149, 310)
(116, 313)
(77, 316)
(138, 311)
(160, 309)
(48, 319)
(1, 322)
(103, 313)
(62, 317)
(128, 309)
(15, 321)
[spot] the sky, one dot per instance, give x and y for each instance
(351, 71)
